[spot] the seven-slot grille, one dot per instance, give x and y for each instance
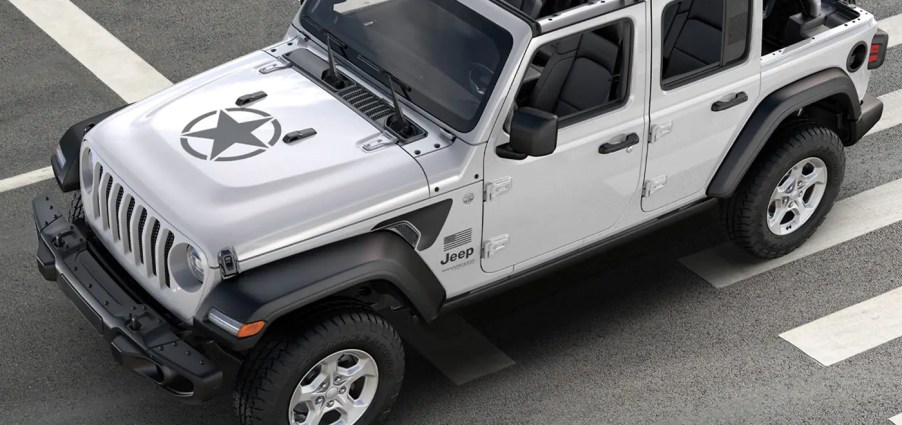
(120, 218)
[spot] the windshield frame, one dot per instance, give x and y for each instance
(511, 47)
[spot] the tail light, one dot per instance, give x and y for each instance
(878, 50)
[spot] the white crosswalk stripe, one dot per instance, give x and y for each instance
(103, 54)
(850, 331)
(26, 179)
(896, 419)
(893, 27)
(892, 112)
(855, 216)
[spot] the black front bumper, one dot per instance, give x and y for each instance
(142, 338)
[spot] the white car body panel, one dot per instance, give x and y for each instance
(294, 198)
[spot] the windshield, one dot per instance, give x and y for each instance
(447, 56)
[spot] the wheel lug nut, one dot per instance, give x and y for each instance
(342, 390)
(337, 380)
(320, 400)
(330, 404)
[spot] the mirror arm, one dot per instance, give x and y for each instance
(505, 151)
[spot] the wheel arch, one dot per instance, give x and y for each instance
(379, 269)
(828, 97)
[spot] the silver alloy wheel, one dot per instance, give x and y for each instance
(337, 391)
(797, 196)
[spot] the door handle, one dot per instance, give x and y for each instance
(630, 140)
(723, 105)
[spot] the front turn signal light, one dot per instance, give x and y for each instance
(250, 329)
(234, 327)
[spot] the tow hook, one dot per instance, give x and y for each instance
(133, 323)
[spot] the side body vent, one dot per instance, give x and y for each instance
(406, 231)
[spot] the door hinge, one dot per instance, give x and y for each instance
(496, 188)
(660, 130)
(653, 185)
(494, 245)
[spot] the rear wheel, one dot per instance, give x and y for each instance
(788, 192)
(346, 368)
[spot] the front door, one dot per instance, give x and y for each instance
(593, 76)
(706, 70)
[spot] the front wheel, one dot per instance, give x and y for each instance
(788, 192)
(345, 367)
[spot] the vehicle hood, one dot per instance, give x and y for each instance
(222, 175)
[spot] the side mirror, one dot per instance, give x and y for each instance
(532, 133)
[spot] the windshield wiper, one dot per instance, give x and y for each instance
(396, 122)
(331, 76)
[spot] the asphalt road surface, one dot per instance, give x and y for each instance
(633, 336)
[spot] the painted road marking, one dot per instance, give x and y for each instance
(892, 112)
(26, 179)
(852, 217)
(893, 27)
(896, 419)
(851, 331)
(103, 54)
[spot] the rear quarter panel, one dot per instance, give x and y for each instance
(829, 49)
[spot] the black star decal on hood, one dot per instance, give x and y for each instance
(229, 132)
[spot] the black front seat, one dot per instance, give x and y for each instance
(530, 7)
(693, 41)
(579, 76)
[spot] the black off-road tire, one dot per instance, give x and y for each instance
(744, 214)
(276, 365)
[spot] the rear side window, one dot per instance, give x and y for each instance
(701, 37)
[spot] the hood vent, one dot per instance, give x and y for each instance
(366, 102)
(356, 96)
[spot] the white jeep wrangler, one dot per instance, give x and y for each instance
(263, 227)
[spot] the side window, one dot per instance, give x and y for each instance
(700, 37)
(580, 75)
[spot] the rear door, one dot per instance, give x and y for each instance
(705, 82)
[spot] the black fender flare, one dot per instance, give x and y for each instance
(272, 291)
(65, 169)
(771, 112)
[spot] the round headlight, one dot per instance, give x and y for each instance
(87, 169)
(196, 263)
